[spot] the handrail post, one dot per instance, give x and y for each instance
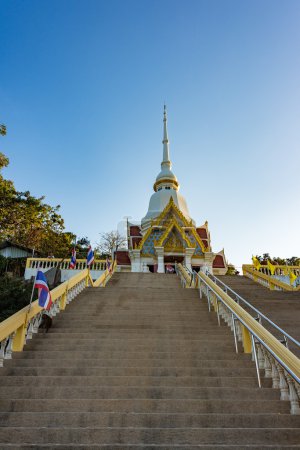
(87, 279)
(19, 338)
(246, 339)
(256, 360)
(63, 301)
(234, 333)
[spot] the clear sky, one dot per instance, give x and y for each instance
(82, 87)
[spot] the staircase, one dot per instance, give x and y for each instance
(140, 364)
(282, 307)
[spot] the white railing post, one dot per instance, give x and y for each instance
(295, 409)
(283, 386)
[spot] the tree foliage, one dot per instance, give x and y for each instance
(110, 241)
(29, 221)
(82, 246)
(14, 295)
(2, 130)
(292, 261)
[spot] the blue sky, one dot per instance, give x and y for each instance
(82, 87)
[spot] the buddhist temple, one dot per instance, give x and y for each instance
(167, 233)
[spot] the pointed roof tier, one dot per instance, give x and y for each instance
(166, 185)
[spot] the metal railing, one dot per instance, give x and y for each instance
(259, 315)
(186, 276)
(268, 353)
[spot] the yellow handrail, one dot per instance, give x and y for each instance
(13, 329)
(285, 355)
(188, 281)
(104, 277)
(267, 280)
(18, 322)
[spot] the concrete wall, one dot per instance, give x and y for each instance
(14, 252)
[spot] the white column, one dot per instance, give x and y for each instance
(135, 257)
(160, 259)
(208, 261)
(188, 257)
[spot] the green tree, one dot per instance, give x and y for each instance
(293, 261)
(29, 221)
(14, 295)
(82, 246)
(2, 130)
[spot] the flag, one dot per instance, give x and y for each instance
(45, 300)
(293, 277)
(271, 267)
(256, 263)
(108, 265)
(90, 257)
(73, 259)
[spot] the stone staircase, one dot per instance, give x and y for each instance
(281, 307)
(140, 364)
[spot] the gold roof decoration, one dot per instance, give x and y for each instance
(169, 224)
(165, 235)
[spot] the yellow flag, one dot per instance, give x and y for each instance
(256, 263)
(293, 277)
(271, 267)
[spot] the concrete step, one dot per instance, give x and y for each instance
(167, 436)
(150, 420)
(98, 345)
(186, 381)
(117, 354)
(83, 371)
(132, 392)
(150, 447)
(61, 333)
(150, 363)
(188, 406)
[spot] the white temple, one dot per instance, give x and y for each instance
(167, 233)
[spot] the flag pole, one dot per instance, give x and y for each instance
(31, 297)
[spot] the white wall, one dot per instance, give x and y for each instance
(66, 274)
(14, 252)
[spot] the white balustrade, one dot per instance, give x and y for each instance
(281, 379)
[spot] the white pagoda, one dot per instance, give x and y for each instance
(167, 233)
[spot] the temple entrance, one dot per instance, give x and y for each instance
(172, 259)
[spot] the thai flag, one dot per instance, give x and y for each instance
(108, 265)
(90, 257)
(45, 300)
(73, 259)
